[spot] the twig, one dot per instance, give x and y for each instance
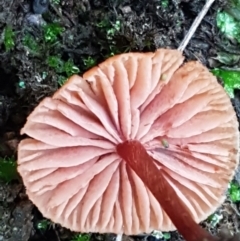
(195, 25)
(56, 232)
(118, 237)
(63, 18)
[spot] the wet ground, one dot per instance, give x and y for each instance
(86, 33)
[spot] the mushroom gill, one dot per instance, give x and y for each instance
(81, 166)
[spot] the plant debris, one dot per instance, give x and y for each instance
(230, 78)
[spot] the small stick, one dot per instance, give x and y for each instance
(63, 18)
(119, 237)
(195, 25)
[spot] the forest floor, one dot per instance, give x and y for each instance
(37, 53)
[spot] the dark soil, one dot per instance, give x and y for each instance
(91, 32)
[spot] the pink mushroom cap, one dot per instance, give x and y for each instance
(180, 114)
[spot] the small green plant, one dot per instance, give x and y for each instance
(164, 3)
(64, 68)
(104, 24)
(230, 78)
(158, 234)
(215, 218)
(70, 68)
(234, 192)
(112, 51)
(115, 28)
(44, 224)
(228, 25)
(89, 62)
(61, 80)
(60, 66)
(56, 63)
(81, 237)
(166, 236)
(111, 28)
(30, 42)
(9, 38)
(52, 31)
(8, 169)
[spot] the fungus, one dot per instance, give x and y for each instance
(124, 150)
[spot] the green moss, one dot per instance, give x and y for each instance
(81, 237)
(110, 30)
(9, 38)
(230, 78)
(89, 62)
(228, 20)
(228, 25)
(165, 3)
(70, 68)
(44, 224)
(234, 192)
(64, 68)
(56, 63)
(52, 31)
(31, 43)
(8, 169)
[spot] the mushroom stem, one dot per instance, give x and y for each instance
(134, 153)
(195, 25)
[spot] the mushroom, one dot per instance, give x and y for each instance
(139, 143)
